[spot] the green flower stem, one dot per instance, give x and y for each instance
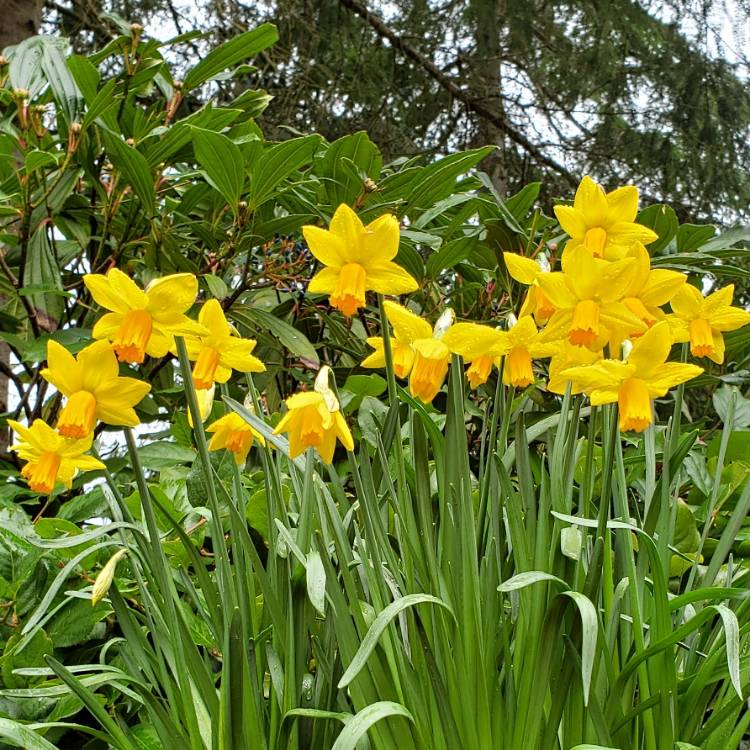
(217, 531)
(393, 400)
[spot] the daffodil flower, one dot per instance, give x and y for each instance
(418, 350)
(233, 433)
(358, 259)
(588, 296)
(635, 382)
(220, 350)
(141, 321)
(407, 328)
(93, 388)
(527, 271)
(50, 457)
(650, 288)
(524, 345)
(480, 346)
(603, 223)
(702, 321)
(313, 420)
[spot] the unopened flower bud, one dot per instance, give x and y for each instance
(106, 575)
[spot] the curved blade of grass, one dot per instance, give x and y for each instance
(376, 630)
(589, 632)
(522, 580)
(357, 726)
(21, 736)
(116, 735)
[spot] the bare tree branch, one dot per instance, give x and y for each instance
(455, 90)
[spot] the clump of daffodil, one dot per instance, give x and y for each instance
(50, 457)
(233, 433)
(93, 388)
(588, 295)
(314, 420)
(524, 345)
(527, 271)
(430, 356)
(220, 350)
(634, 382)
(357, 259)
(603, 223)
(480, 346)
(143, 322)
(702, 320)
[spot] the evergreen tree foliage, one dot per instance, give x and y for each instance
(645, 92)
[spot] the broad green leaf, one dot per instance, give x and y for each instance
(437, 180)
(43, 272)
(277, 163)
(356, 728)
(294, 340)
(382, 621)
(691, 237)
(520, 204)
(222, 164)
(450, 254)
(60, 80)
(663, 220)
(345, 165)
(229, 54)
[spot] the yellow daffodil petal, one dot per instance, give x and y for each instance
(406, 324)
(591, 201)
(729, 319)
(98, 364)
(522, 269)
(348, 226)
(571, 221)
(115, 291)
(623, 204)
(325, 281)
(687, 302)
(62, 371)
(661, 286)
(652, 348)
(171, 295)
(472, 340)
(557, 289)
(381, 239)
(669, 374)
(116, 399)
(376, 358)
(327, 247)
(212, 317)
(107, 326)
(389, 278)
(342, 431)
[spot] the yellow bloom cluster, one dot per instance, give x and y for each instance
(140, 323)
(599, 320)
